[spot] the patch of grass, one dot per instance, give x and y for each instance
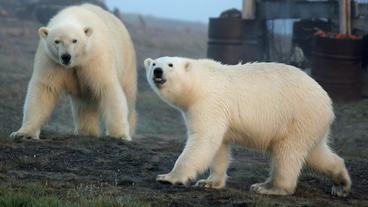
(33, 195)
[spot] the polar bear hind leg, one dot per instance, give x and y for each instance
(86, 118)
(114, 110)
(132, 122)
(288, 158)
(323, 160)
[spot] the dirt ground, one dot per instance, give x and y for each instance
(68, 163)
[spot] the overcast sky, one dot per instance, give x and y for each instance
(191, 10)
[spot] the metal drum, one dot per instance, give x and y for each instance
(304, 30)
(337, 66)
(234, 40)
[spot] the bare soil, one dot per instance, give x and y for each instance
(65, 162)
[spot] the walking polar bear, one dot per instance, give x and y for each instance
(86, 52)
(266, 106)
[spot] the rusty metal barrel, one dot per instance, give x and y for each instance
(232, 40)
(337, 67)
(365, 51)
(303, 31)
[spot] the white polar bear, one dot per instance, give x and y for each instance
(86, 52)
(266, 106)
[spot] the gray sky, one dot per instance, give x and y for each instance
(190, 10)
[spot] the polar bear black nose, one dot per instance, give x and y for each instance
(157, 72)
(66, 58)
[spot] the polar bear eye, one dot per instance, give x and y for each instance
(57, 41)
(153, 64)
(170, 65)
(75, 41)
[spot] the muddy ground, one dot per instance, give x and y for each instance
(67, 163)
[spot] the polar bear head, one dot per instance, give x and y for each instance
(66, 44)
(172, 78)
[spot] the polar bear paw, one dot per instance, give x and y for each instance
(122, 137)
(126, 138)
(18, 135)
(210, 183)
(267, 189)
(340, 191)
(174, 179)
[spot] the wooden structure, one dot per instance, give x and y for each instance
(348, 15)
(345, 16)
(336, 63)
(291, 9)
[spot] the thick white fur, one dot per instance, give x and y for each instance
(266, 106)
(101, 79)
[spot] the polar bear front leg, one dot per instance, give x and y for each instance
(40, 102)
(218, 168)
(114, 110)
(199, 151)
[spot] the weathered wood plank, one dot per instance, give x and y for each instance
(249, 9)
(345, 16)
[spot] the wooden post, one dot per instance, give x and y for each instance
(249, 9)
(345, 16)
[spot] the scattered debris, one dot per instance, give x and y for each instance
(321, 33)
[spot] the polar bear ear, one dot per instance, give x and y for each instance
(187, 65)
(147, 63)
(88, 31)
(43, 32)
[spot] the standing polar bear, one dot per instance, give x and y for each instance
(86, 52)
(266, 106)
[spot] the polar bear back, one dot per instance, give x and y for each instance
(266, 100)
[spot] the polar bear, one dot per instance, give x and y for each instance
(266, 106)
(87, 53)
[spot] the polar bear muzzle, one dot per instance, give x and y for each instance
(65, 59)
(158, 77)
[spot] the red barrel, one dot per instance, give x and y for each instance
(304, 30)
(337, 67)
